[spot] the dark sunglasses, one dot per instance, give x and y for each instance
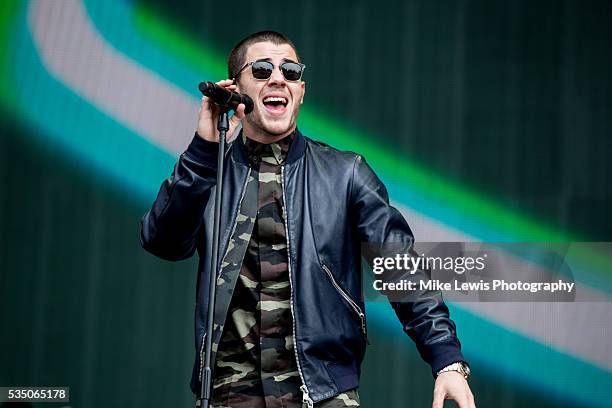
(261, 69)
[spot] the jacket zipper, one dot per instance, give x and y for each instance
(202, 356)
(346, 297)
(246, 181)
(305, 394)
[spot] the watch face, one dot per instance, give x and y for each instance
(466, 369)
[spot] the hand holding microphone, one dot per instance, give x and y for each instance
(226, 98)
(222, 93)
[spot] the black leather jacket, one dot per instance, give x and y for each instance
(333, 203)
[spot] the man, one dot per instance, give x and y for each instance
(289, 320)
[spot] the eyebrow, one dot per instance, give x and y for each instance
(270, 59)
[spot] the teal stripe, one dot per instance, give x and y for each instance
(114, 22)
(89, 137)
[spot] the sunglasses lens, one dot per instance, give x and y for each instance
(291, 71)
(262, 69)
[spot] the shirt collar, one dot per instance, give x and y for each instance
(273, 153)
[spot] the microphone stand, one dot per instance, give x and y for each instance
(206, 384)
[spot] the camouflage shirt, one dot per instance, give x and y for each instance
(255, 364)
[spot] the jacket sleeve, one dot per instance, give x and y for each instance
(424, 317)
(170, 228)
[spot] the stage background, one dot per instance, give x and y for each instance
(487, 120)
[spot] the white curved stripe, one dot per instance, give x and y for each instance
(579, 328)
(74, 52)
(78, 56)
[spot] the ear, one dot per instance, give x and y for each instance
(236, 83)
(303, 92)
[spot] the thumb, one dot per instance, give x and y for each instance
(236, 119)
(438, 400)
(239, 113)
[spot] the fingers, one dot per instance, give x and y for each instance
(452, 385)
(472, 403)
(203, 103)
(239, 113)
(462, 401)
(227, 83)
(438, 400)
(464, 397)
(209, 112)
(206, 107)
(235, 121)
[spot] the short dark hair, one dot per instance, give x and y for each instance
(237, 56)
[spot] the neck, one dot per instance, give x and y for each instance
(265, 138)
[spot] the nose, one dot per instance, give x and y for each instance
(277, 78)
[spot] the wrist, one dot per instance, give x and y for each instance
(459, 366)
(203, 151)
(206, 137)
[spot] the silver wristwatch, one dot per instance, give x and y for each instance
(461, 367)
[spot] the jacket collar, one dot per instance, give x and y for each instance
(296, 151)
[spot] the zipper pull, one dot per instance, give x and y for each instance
(363, 327)
(305, 398)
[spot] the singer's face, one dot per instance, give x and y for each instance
(277, 101)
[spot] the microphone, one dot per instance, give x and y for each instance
(226, 98)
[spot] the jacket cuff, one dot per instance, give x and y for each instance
(203, 152)
(439, 355)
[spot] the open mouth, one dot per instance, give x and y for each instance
(275, 104)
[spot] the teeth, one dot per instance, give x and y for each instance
(275, 99)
